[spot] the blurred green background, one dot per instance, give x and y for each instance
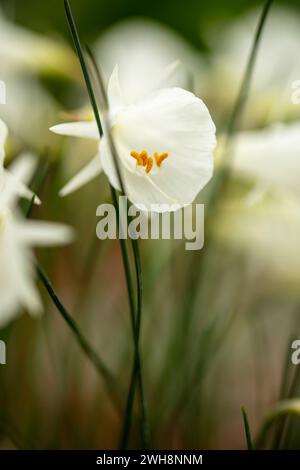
(188, 18)
(218, 323)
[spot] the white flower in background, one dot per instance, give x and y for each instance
(17, 237)
(277, 64)
(10, 178)
(264, 223)
(267, 233)
(24, 55)
(164, 142)
(143, 48)
(23, 93)
(270, 156)
(22, 49)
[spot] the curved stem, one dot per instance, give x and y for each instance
(248, 434)
(238, 107)
(135, 318)
(82, 341)
(136, 375)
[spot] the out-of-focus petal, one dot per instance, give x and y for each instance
(87, 130)
(37, 233)
(85, 175)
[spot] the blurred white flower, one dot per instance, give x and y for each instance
(264, 223)
(24, 55)
(267, 233)
(10, 178)
(25, 93)
(17, 236)
(22, 49)
(164, 142)
(270, 157)
(143, 48)
(277, 64)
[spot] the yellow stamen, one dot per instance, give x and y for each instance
(135, 154)
(144, 156)
(149, 164)
(143, 159)
(138, 158)
(159, 159)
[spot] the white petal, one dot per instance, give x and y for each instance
(86, 129)
(270, 156)
(13, 182)
(143, 49)
(86, 174)
(20, 189)
(108, 164)
(114, 93)
(3, 136)
(167, 75)
(17, 287)
(22, 169)
(27, 291)
(173, 121)
(36, 233)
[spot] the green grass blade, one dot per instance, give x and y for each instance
(135, 326)
(250, 445)
(81, 340)
(238, 107)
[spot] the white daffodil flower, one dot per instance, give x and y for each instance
(165, 145)
(274, 79)
(17, 237)
(267, 232)
(11, 178)
(152, 47)
(270, 157)
(22, 49)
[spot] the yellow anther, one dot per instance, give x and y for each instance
(135, 154)
(143, 159)
(160, 158)
(139, 159)
(149, 164)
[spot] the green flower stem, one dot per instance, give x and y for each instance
(136, 376)
(198, 263)
(282, 409)
(248, 434)
(239, 105)
(82, 341)
(135, 317)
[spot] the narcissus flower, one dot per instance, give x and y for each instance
(17, 236)
(11, 177)
(165, 145)
(154, 47)
(270, 157)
